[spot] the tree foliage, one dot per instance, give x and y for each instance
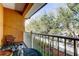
(65, 23)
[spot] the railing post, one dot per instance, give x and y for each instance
(75, 51)
(49, 45)
(31, 38)
(39, 42)
(44, 44)
(42, 47)
(65, 47)
(53, 45)
(58, 46)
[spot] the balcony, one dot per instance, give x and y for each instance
(38, 44)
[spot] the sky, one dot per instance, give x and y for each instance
(50, 7)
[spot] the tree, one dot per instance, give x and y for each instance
(66, 22)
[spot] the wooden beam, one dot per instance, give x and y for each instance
(27, 8)
(26, 4)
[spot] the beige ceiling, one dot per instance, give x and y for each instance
(35, 8)
(15, 6)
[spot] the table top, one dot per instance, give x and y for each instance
(6, 52)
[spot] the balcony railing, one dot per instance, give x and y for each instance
(54, 45)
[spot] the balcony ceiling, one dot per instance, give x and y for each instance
(35, 8)
(27, 8)
(15, 6)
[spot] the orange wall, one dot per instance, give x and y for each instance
(13, 24)
(1, 23)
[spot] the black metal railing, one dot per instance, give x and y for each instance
(55, 45)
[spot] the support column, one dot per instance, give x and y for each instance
(1, 24)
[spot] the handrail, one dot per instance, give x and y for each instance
(46, 36)
(65, 37)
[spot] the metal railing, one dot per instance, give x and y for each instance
(54, 45)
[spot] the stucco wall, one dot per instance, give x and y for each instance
(13, 24)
